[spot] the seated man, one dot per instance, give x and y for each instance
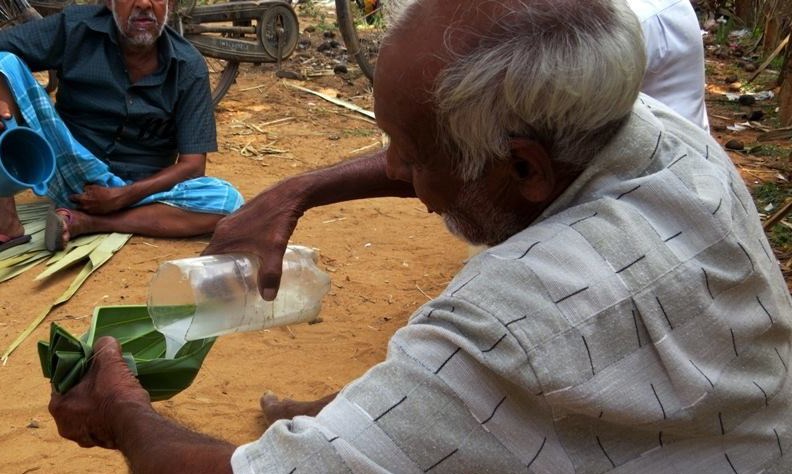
(133, 125)
(628, 316)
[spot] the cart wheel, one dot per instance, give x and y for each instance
(346, 24)
(278, 18)
(222, 75)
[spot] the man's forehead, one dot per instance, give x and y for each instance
(430, 33)
(422, 44)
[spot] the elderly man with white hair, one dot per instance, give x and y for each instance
(628, 316)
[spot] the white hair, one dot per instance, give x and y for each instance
(395, 10)
(563, 72)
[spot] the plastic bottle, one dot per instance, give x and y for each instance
(199, 297)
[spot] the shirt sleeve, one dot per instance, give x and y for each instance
(40, 44)
(418, 410)
(195, 121)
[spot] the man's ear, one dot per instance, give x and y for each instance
(109, 4)
(532, 169)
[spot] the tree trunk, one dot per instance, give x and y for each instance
(785, 96)
(771, 38)
(745, 10)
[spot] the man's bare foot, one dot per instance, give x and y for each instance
(69, 223)
(276, 409)
(62, 226)
(10, 225)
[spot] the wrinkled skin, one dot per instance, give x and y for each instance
(84, 414)
(262, 227)
(109, 409)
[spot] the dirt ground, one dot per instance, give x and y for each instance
(386, 257)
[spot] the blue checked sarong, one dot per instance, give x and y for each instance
(76, 166)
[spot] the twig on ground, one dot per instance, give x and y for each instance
(278, 121)
(778, 216)
(367, 147)
(424, 293)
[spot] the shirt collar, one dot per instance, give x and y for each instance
(627, 155)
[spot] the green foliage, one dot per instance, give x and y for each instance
(769, 193)
(722, 33)
(780, 236)
(769, 150)
(308, 8)
(777, 63)
(766, 194)
(375, 20)
(312, 10)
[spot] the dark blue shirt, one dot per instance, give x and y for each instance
(137, 128)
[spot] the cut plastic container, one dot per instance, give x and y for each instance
(207, 296)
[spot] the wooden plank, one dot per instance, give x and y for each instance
(769, 59)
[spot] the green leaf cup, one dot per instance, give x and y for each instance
(65, 358)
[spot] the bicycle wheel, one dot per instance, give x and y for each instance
(222, 75)
(278, 24)
(346, 24)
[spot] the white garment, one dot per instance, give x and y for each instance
(675, 56)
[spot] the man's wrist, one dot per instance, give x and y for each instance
(127, 419)
(299, 192)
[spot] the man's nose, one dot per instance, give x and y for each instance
(396, 169)
(143, 5)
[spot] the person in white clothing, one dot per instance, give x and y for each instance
(675, 56)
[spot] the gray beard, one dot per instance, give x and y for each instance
(476, 220)
(142, 39)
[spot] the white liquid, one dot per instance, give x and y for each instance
(175, 336)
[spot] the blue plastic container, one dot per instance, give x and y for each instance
(27, 160)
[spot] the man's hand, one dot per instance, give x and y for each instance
(262, 227)
(85, 414)
(99, 200)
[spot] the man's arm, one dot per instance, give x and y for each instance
(154, 444)
(101, 200)
(263, 226)
(38, 43)
(110, 409)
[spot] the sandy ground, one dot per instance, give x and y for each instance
(385, 257)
